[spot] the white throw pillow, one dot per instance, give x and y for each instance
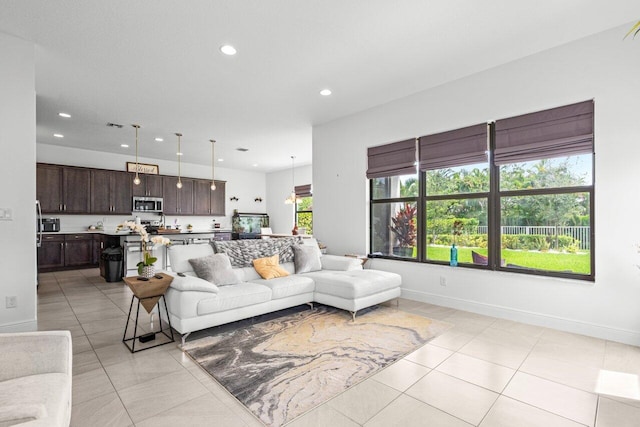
(306, 258)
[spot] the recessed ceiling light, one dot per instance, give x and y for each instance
(255, 165)
(227, 49)
(179, 154)
(124, 145)
(65, 115)
(244, 150)
(159, 139)
(325, 92)
(221, 160)
(58, 135)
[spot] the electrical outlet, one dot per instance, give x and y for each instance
(11, 302)
(443, 281)
(6, 214)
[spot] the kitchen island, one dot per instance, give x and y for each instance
(74, 249)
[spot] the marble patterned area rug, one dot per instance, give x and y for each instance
(282, 368)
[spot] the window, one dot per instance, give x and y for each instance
(304, 208)
(394, 197)
(394, 216)
(456, 174)
(516, 195)
(544, 167)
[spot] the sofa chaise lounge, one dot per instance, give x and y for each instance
(195, 304)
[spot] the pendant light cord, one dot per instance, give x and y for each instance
(136, 180)
(179, 161)
(213, 182)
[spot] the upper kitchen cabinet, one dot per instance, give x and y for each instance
(63, 189)
(49, 187)
(218, 199)
(150, 185)
(207, 201)
(110, 192)
(177, 201)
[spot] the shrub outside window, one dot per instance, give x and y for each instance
(304, 214)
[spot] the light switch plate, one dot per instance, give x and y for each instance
(6, 214)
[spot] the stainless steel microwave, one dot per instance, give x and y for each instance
(147, 204)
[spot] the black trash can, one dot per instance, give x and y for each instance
(111, 264)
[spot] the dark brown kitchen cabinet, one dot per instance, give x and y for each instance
(49, 187)
(98, 245)
(218, 199)
(150, 185)
(177, 201)
(110, 192)
(63, 189)
(207, 201)
(65, 251)
(51, 252)
(76, 190)
(78, 250)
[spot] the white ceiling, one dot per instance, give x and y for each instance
(157, 63)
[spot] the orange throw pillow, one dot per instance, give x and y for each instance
(269, 268)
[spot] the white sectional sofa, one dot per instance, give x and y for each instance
(195, 304)
(35, 379)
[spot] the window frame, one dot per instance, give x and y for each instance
(494, 235)
(456, 196)
(408, 199)
(309, 211)
(497, 205)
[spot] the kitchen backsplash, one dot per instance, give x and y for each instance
(74, 223)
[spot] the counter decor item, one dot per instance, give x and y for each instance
(457, 230)
(146, 267)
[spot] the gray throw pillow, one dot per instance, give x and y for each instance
(306, 258)
(215, 268)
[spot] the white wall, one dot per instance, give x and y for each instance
(281, 215)
(603, 67)
(244, 185)
(18, 177)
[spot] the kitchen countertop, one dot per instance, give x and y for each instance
(128, 233)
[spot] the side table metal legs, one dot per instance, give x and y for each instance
(162, 330)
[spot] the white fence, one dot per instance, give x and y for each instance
(580, 233)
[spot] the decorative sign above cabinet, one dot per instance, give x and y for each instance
(143, 168)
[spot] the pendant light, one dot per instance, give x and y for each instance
(179, 154)
(136, 180)
(292, 199)
(213, 182)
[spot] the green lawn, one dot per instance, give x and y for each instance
(576, 263)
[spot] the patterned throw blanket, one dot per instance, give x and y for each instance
(243, 252)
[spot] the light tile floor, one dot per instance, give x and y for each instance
(484, 372)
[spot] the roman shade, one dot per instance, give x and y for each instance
(397, 158)
(303, 190)
(557, 132)
(458, 147)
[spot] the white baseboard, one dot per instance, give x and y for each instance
(30, 326)
(564, 324)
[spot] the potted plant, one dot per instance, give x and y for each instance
(146, 266)
(404, 229)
